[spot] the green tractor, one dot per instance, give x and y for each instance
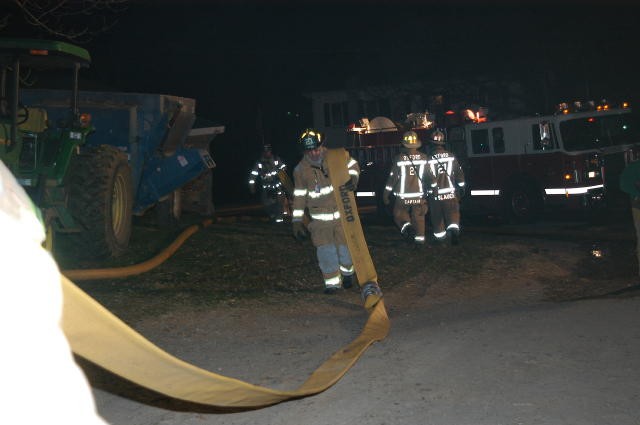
(85, 193)
(92, 160)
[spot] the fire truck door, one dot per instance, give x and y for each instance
(458, 146)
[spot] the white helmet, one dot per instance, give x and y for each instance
(437, 137)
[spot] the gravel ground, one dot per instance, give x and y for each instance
(244, 299)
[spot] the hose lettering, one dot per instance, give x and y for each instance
(346, 203)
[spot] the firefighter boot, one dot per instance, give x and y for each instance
(330, 290)
(347, 281)
(408, 232)
(454, 235)
(371, 294)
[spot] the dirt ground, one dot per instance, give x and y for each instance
(245, 258)
(244, 285)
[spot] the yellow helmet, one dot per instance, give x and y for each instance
(310, 139)
(410, 140)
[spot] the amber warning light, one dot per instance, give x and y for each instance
(38, 52)
(85, 120)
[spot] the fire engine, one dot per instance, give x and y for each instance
(515, 168)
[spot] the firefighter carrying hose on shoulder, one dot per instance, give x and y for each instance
(267, 169)
(313, 192)
(405, 181)
(446, 188)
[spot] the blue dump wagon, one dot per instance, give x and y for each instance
(142, 151)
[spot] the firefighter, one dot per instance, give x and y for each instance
(313, 192)
(405, 181)
(272, 195)
(630, 184)
(446, 188)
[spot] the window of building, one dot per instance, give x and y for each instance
(480, 141)
(374, 108)
(338, 115)
(327, 115)
(335, 114)
(498, 139)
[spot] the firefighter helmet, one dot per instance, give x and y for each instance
(267, 148)
(437, 137)
(410, 140)
(310, 139)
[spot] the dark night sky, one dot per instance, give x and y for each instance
(269, 54)
(234, 57)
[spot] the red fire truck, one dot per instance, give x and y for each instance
(518, 168)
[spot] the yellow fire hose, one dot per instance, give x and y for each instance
(135, 269)
(100, 337)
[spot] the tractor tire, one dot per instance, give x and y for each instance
(169, 211)
(100, 200)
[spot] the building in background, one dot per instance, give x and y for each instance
(335, 110)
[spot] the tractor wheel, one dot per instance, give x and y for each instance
(169, 210)
(101, 201)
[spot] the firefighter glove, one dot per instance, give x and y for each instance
(300, 232)
(462, 191)
(349, 185)
(252, 189)
(385, 198)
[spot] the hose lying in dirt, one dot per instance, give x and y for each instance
(96, 334)
(145, 266)
(100, 337)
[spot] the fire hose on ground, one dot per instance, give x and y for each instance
(95, 334)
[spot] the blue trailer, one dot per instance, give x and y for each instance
(169, 164)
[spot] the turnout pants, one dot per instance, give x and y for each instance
(333, 254)
(413, 214)
(274, 205)
(445, 215)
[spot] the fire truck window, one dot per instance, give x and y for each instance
(480, 141)
(498, 140)
(541, 136)
(597, 132)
